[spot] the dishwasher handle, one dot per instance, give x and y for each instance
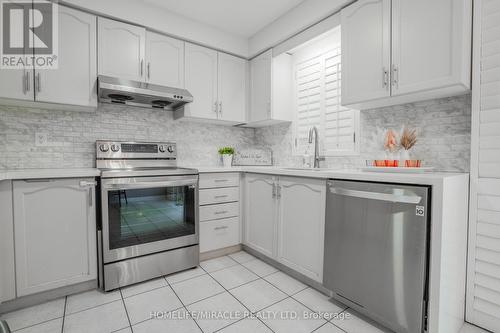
(409, 199)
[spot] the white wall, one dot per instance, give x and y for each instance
(294, 21)
(167, 22)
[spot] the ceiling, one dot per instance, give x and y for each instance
(240, 17)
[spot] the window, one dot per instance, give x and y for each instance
(317, 94)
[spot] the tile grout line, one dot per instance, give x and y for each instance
(64, 313)
(236, 298)
(183, 305)
(126, 311)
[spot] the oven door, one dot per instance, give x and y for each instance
(145, 215)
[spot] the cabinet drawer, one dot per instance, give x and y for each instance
(221, 179)
(213, 212)
(219, 195)
(219, 234)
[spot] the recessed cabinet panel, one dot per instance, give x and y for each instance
(74, 82)
(260, 89)
(165, 60)
(366, 54)
(427, 53)
(201, 81)
(121, 50)
(232, 88)
(260, 210)
(55, 234)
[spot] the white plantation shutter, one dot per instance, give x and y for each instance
(318, 91)
(483, 278)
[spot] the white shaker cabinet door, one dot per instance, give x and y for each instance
(260, 213)
(301, 226)
(55, 234)
(121, 50)
(74, 82)
(165, 60)
(201, 81)
(366, 58)
(260, 86)
(430, 45)
(232, 80)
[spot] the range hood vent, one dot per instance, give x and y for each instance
(141, 94)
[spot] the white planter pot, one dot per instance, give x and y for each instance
(227, 160)
(405, 155)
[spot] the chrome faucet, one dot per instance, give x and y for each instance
(314, 131)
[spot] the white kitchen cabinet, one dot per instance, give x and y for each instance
(75, 80)
(302, 221)
(121, 50)
(232, 86)
(201, 81)
(260, 213)
(55, 233)
(366, 56)
(260, 86)
(7, 272)
(164, 60)
(271, 90)
(401, 51)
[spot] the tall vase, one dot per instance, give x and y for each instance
(404, 156)
(227, 160)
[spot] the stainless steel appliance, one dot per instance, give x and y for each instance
(135, 93)
(149, 222)
(376, 251)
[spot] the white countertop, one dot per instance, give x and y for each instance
(48, 173)
(427, 178)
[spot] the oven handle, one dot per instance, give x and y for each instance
(139, 185)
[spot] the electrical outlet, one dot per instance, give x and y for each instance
(41, 139)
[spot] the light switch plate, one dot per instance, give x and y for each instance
(41, 139)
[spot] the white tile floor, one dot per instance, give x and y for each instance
(247, 294)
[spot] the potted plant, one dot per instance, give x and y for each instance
(408, 140)
(227, 156)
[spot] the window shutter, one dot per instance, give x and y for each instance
(318, 99)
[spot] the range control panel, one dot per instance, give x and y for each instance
(135, 150)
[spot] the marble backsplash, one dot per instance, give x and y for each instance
(72, 135)
(443, 126)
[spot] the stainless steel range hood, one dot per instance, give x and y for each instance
(142, 94)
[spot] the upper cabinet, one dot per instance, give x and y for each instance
(121, 50)
(76, 61)
(217, 82)
(164, 60)
(403, 51)
(270, 89)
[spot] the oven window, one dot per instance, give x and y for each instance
(142, 216)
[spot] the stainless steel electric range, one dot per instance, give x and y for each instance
(149, 224)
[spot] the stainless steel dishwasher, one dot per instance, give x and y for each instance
(376, 248)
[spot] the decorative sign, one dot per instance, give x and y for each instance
(251, 157)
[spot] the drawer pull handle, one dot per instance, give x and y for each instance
(221, 212)
(221, 180)
(221, 196)
(220, 228)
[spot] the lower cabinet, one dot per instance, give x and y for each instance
(7, 272)
(285, 220)
(54, 233)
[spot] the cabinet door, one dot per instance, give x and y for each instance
(165, 60)
(260, 86)
(121, 50)
(302, 221)
(75, 80)
(232, 87)
(366, 51)
(17, 83)
(201, 81)
(430, 45)
(55, 234)
(260, 213)
(7, 264)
